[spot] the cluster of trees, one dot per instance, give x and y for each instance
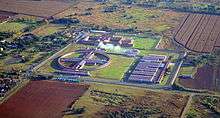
(66, 21)
(4, 35)
(112, 99)
(134, 112)
(111, 8)
(32, 23)
(201, 60)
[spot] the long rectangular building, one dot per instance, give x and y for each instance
(148, 69)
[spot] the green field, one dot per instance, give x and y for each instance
(47, 30)
(115, 71)
(187, 70)
(145, 43)
(12, 27)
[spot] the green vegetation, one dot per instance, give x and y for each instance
(106, 98)
(162, 27)
(47, 30)
(144, 43)
(115, 71)
(92, 106)
(189, 70)
(167, 75)
(12, 27)
(192, 113)
(210, 102)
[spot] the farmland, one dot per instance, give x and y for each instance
(125, 99)
(204, 78)
(199, 33)
(50, 100)
(43, 9)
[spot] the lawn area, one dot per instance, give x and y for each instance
(189, 70)
(144, 43)
(47, 30)
(115, 71)
(12, 27)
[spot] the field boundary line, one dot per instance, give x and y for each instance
(14, 90)
(186, 108)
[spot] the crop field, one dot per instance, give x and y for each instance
(105, 100)
(199, 32)
(34, 8)
(205, 78)
(115, 71)
(42, 99)
(204, 107)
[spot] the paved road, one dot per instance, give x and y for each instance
(50, 58)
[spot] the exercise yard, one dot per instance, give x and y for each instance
(115, 71)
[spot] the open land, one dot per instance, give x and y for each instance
(205, 78)
(199, 33)
(44, 9)
(204, 107)
(45, 98)
(125, 17)
(115, 100)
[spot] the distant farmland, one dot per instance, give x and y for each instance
(42, 99)
(43, 8)
(199, 33)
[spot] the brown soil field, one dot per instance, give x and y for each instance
(199, 32)
(44, 9)
(42, 99)
(206, 78)
(205, 106)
